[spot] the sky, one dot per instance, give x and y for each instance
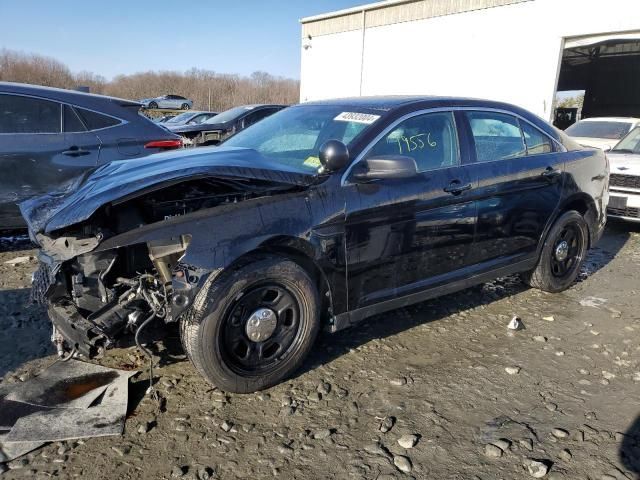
(122, 37)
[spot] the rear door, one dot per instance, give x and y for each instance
(82, 147)
(406, 235)
(519, 173)
(115, 143)
(31, 146)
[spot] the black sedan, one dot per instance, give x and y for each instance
(48, 137)
(216, 129)
(317, 217)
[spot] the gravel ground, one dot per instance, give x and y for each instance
(441, 390)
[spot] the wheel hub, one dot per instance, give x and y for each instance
(261, 325)
(562, 251)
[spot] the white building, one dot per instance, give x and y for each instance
(519, 51)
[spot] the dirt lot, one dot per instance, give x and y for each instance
(482, 401)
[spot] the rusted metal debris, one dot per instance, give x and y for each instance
(68, 400)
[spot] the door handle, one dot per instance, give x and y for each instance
(75, 152)
(456, 187)
(551, 173)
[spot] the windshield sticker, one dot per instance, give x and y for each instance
(365, 118)
(312, 162)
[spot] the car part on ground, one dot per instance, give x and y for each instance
(624, 183)
(49, 137)
(302, 222)
(68, 400)
(220, 127)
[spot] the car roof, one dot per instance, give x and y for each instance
(62, 95)
(392, 102)
(611, 119)
(259, 105)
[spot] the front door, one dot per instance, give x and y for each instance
(405, 235)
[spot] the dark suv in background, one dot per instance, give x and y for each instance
(50, 136)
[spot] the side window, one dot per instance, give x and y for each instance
(497, 136)
(96, 121)
(429, 139)
(71, 122)
(256, 117)
(537, 142)
(29, 115)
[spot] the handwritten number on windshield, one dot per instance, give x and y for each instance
(415, 142)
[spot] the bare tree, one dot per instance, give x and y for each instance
(207, 89)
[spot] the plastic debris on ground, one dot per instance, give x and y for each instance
(68, 400)
(594, 302)
(515, 324)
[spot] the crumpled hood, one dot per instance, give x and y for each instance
(129, 178)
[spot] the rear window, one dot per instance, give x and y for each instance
(599, 129)
(71, 121)
(29, 115)
(537, 142)
(96, 121)
(497, 136)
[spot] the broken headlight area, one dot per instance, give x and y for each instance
(97, 297)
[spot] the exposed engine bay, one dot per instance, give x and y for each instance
(96, 294)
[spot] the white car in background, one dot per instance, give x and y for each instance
(601, 132)
(624, 182)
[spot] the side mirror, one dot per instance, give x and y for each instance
(385, 167)
(333, 156)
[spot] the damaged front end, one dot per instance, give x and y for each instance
(119, 266)
(95, 298)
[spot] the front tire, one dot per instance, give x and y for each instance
(563, 254)
(185, 106)
(153, 105)
(256, 325)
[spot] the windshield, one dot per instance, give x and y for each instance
(630, 143)
(183, 117)
(294, 135)
(599, 129)
(228, 115)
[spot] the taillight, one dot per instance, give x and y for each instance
(168, 144)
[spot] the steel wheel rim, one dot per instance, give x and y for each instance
(567, 251)
(247, 357)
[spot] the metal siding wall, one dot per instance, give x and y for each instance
(398, 13)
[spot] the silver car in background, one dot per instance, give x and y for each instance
(168, 101)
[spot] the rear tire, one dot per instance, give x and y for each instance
(185, 106)
(237, 355)
(562, 256)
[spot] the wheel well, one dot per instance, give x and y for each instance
(585, 208)
(308, 264)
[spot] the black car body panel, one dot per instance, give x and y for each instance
(79, 132)
(372, 246)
